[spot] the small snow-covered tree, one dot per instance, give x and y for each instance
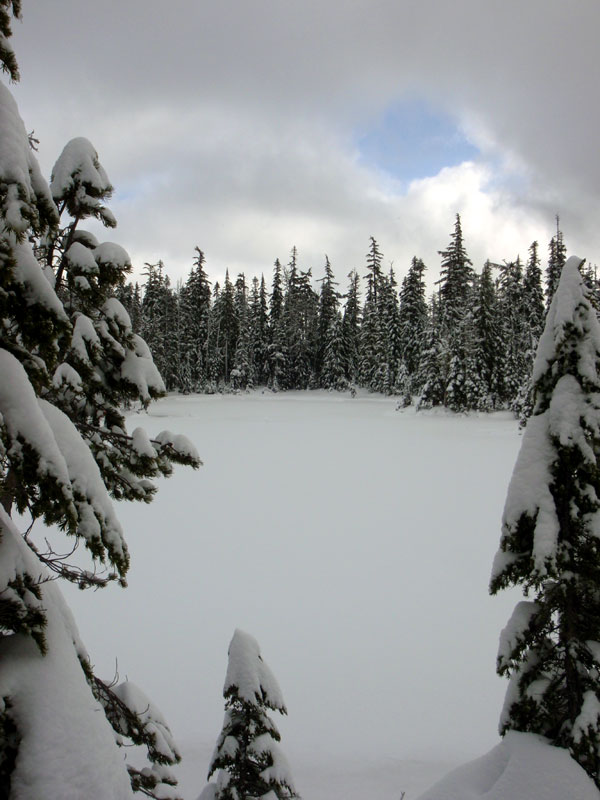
(550, 543)
(247, 758)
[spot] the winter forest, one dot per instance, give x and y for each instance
(344, 508)
(470, 346)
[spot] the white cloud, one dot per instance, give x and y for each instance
(229, 125)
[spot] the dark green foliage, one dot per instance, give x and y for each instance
(333, 372)
(8, 10)
(351, 327)
(556, 261)
(412, 322)
(9, 747)
(488, 350)
(327, 313)
(549, 544)
(472, 349)
(456, 281)
(194, 302)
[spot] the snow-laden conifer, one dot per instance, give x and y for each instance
(550, 543)
(247, 759)
(68, 361)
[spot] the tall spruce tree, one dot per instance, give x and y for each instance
(369, 371)
(247, 759)
(259, 330)
(557, 257)
(351, 327)
(413, 320)
(549, 546)
(456, 280)
(333, 373)
(195, 300)
(459, 372)
(514, 331)
(328, 308)
(533, 303)
(277, 345)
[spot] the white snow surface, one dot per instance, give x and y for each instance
(114, 309)
(139, 369)
(252, 677)
(112, 253)
(37, 289)
(522, 767)
(25, 422)
(96, 515)
(59, 720)
(78, 158)
(135, 699)
(279, 771)
(564, 309)
(517, 625)
(84, 337)
(528, 493)
(19, 168)
(81, 257)
(354, 543)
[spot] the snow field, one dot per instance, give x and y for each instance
(355, 544)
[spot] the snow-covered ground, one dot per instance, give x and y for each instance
(355, 544)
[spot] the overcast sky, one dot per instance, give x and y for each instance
(248, 126)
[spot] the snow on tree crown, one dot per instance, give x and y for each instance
(248, 677)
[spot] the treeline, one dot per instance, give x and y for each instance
(468, 346)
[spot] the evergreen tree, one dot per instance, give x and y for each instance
(68, 362)
(533, 295)
(259, 331)
(556, 261)
(431, 377)
(549, 546)
(370, 357)
(226, 330)
(412, 320)
(333, 374)
(488, 352)
(459, 372)
(533, 303)
(247, 758)
(195, 301)
(299, 316)
(514, 331)
(277, 345)
(327, 313)
(242, 374)
(351, 327)
(389, 343)
(455, 282)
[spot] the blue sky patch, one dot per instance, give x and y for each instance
(411, 140)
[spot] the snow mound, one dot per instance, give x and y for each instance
(522, 767)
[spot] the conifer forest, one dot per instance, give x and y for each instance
(470, 345)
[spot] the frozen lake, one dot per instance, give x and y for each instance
(355, 543)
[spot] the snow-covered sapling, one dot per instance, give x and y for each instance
(550, 542)
(247, 758)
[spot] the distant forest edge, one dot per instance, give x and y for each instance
(469, 346)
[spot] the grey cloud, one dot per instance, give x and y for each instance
(216, 116)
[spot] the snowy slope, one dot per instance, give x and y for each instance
(524, 767)
(355, 543)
